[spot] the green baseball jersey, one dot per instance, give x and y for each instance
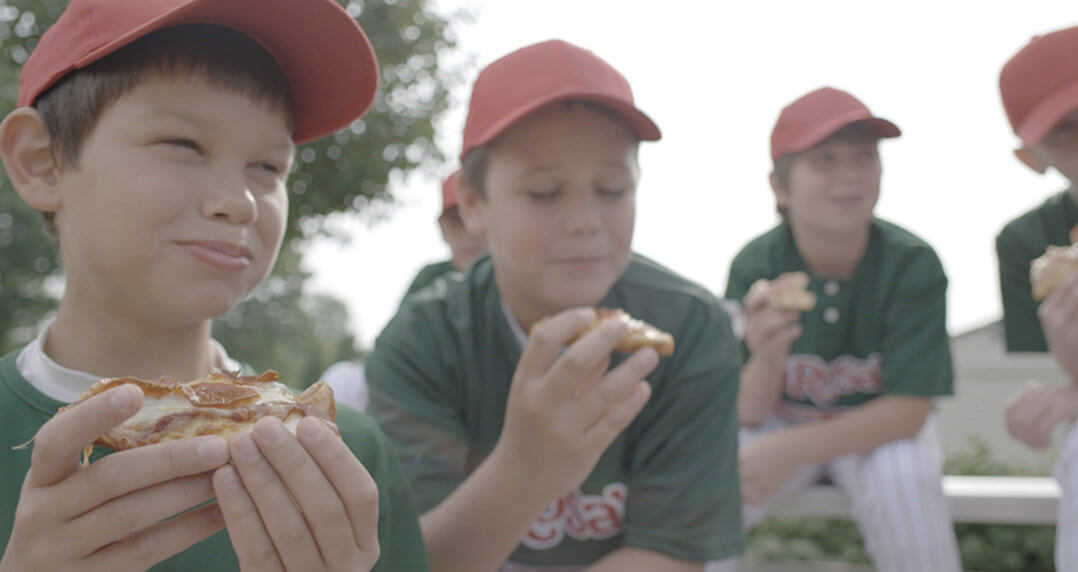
(428, 274)
(1022, 240)
(883, 331)
(24, 410)
(439, 376)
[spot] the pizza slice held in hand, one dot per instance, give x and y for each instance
(1046, 272)
(220, 403)
(640, 333)
(788, 291)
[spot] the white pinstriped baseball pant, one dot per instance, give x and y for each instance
(897, 501)
(1067, 529)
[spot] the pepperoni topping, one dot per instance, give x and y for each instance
(215, 394)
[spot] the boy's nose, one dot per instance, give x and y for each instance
(580, 217)
(234, 205)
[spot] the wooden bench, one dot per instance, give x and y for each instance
(987, 500)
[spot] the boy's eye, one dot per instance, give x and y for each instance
(183, 143)
(611, 192)
(543, 195)
(273, 168)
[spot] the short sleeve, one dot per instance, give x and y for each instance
(399, 537)
(412, 398)
(916, 348)
(1021, 326)
(685, 498)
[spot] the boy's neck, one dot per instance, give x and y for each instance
(831, 255)
(105, 345)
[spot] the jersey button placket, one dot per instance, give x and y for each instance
(831, 314)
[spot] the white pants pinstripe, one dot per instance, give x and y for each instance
(897, 501)
(1067, 529)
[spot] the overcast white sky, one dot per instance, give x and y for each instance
(714, 76)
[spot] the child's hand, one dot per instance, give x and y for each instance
(769, 331)
(1033, 414)
(564, 411)
(301, 503)
(765, 465)
(1059, 319)
(108, 516)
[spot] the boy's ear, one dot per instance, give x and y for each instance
(470, 207)
(1027, 156)
(781, 194)
(27, 156)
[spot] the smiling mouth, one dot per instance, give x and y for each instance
(220, 255)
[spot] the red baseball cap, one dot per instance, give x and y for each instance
(449, 191)
(322, 52)
(1039, 84)
(532, 77)
(817, 115)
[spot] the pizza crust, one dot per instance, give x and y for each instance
(790, 292)
(640, 334)
(1046, 272)
(219, 403)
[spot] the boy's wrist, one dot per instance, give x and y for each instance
(770, 371)
(515, 480)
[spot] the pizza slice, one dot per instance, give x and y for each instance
(220, 403)
(790, 292)
(640, 333)
(1046, 272)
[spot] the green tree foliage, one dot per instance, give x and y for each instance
(350, 170)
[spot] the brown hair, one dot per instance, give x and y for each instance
(224, 57)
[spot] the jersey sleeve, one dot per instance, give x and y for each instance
(1021, 326)
(413, 400)
(744, 272)
(685, 491)
(916, 348)
(399, 538)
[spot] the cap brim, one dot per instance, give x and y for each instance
(642, 126)
(882, 127)
(1047, 114)
(326, 58)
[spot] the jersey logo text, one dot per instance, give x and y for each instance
(581, 516)
(810, 378)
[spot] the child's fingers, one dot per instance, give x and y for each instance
(319, 502)
(1061, 301)
(617, 418)
(549, 337)
(353, 485)
(60, 442)
(582, 358)
(617, 384)
(161, 542)
(287, 527)
(129, 514)
(250, 539)
(126, 471)
(757, 296)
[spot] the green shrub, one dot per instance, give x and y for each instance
(984, 547)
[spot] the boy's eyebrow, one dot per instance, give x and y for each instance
(551, 168)
(286, 145)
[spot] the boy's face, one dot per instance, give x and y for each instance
(177, 208)
(834, 186)
(464, 245)
(559, 208)
(1059, 148)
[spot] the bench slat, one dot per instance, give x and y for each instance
(988, 500)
